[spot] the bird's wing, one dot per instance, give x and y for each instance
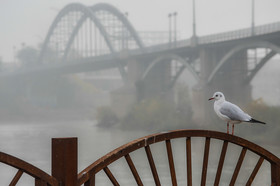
(234, 112)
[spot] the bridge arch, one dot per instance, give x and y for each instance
(91, 14)
(161, 59)
(261, 44)
(122, 18)
(68, 8)
(114, 11)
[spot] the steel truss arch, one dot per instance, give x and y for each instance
(89, 12)
(114, 11)
(184, 63)
(262, 44)
(72, 36)
(122, 18)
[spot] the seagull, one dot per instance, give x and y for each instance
(230, 112)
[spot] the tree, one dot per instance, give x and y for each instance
(28, 56)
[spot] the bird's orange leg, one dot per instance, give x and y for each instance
(227, 128)
(232, 129)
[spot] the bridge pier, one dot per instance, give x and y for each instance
(123, 98)
(155, 84)
(136, 89)
(229, 80)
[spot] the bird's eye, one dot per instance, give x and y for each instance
(217, 95)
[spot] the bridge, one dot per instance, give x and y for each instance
(100, 37)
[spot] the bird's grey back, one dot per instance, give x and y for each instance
(234, 112)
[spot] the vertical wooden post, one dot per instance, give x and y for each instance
(189, 160)
(275, 175)
(64, 160)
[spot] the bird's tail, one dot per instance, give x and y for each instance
(256, 121)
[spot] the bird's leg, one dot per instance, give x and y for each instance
(227, 128)
(232, 129)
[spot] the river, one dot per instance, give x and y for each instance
(32, 143)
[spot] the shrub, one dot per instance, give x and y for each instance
(155, 115)
(106, 117)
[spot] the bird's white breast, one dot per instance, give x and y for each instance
(217, 107)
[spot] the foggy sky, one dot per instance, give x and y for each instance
(27, 21)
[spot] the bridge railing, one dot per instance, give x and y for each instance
(225, 36)
(212, 38)
(239, 34)
(268, 28)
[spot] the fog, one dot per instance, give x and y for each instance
(109, 89)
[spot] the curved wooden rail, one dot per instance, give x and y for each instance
(41, 177)
(87, 176)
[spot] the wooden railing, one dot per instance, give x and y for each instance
(64, 165)
(87, 176)
(64, 161)
(40, 177)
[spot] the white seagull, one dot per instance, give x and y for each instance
(230, 112)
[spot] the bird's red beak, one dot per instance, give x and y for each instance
(210, 99)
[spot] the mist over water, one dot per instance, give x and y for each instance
(105, 110)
